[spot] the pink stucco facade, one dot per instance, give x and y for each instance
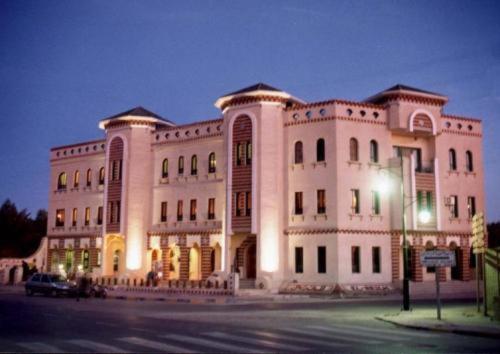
(291, 194)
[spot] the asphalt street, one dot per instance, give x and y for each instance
(42, 324)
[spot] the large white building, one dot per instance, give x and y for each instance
(277, 189)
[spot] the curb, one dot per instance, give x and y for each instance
(465, 332)
(195, 301)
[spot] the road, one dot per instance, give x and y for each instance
(42, 324)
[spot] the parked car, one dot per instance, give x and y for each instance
(49, 284)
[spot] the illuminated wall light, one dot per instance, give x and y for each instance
(269, 241)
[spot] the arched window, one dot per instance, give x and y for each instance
(76, 179)
(469, 164)
(320, 150)
(299, 152)
(164, 169)
(61, 181)
(453, 159)
(89, 177)
(353, 150)
(373, 151)
(101, 176)
(194, 165)
(212, 162)
(181, 165)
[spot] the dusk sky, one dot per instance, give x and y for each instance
(64, 65)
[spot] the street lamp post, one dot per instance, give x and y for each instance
(406, 278)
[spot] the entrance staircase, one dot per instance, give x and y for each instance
(247, 283)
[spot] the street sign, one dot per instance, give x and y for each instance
(478, 233)
(438, 259)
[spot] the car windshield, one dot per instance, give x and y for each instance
(56, 278)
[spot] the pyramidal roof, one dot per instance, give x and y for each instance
(400, 87)
(257, 87)
(138, 111)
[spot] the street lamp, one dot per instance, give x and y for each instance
(424, 216)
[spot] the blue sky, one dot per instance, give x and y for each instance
(66, 64)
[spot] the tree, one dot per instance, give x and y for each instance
(20, 235)
(494, 234)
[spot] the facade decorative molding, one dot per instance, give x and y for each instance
(344, 118)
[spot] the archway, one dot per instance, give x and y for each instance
(70, 261)
(12, 275)
(54, 264)
(251, 261)
(156, 264)
(194, 263)
(114, 254)
(174, 266)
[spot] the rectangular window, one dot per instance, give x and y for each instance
(239, 201)
(99, 258)
(179, 210)
(192, 210)
(471, 206)
(375, 203)
(248, 203)
(118, 211)
(111, 212)
(211, 208)
(299, 260)
(240, 148)
(99, 215)
(298, 203)
(355, 201)
(116, 170)
(355, 259)
(249, 153)
(74, 216)
(87, 216)
(163, 212)
(376, 259)
(420, 200)
(428, 199)
(59, 217)
(321, 201)
(321, 259)
(454, 206)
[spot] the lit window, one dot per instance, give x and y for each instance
(194, 165)
(179, 210)
(181, 165)
(101, 176)
(87, 216)
(471, 206)
(74, 216)
(59, 217)
(192, 210)
(164, 169)
(212, 163)
(321, 201)
(211, 208)
(89, 177)
(76, 179)
(355, 201)
(248, 203)
(99, 215)
(62, 181)
(454, 206)
(249, 153)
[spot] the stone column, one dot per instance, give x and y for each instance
(165, 259)
(463, 263)
(395, 254)
(416, 267)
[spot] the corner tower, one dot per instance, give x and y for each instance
(127, 193)
(255, 188)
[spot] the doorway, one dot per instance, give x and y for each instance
(251, 261)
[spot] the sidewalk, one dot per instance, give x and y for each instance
(463, 320)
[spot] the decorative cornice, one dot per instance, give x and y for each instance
(184, 140)
(469, 119)
(293, 232)
(297, 107)
(100, 141)
(66, 236)
(251, 99)
(456, 132)
(183, 126)
(122, 123)
(324, 119)
(200, 232)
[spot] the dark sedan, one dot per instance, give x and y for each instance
(49, 284)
